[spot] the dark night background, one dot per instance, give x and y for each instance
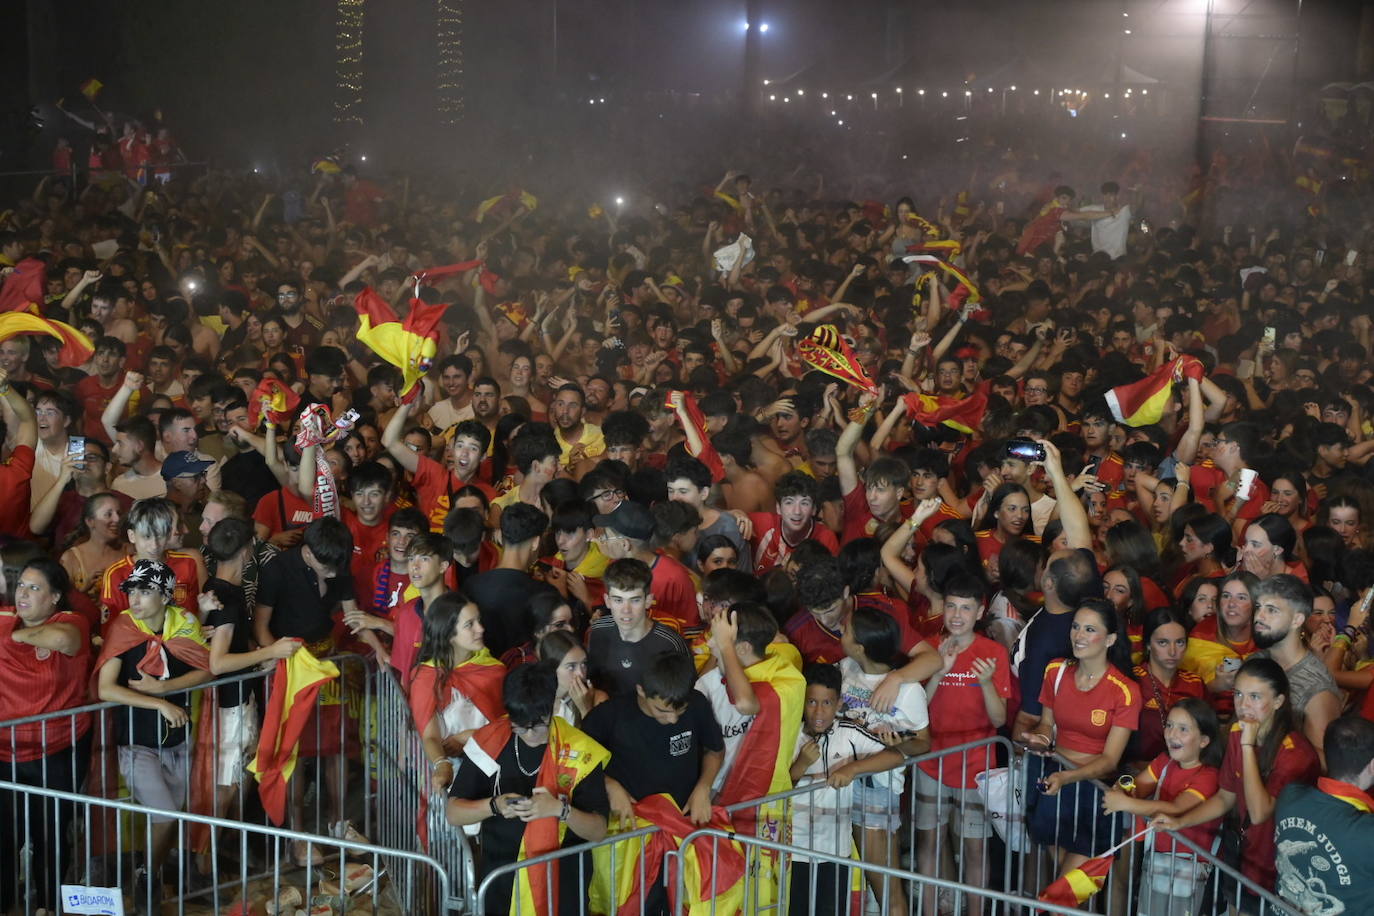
(253, 80)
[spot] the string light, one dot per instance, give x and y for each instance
(348, 61)
(448, 22)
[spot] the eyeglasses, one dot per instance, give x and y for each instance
(1030, 390)
(529, 729)
(609, 494)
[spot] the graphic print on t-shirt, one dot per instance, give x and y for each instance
(680, 744)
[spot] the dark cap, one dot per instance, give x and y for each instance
(183, 464)
(630, 519)
(152, 575)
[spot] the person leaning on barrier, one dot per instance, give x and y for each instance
(1323, 833)
(535, 784)
(45, 663)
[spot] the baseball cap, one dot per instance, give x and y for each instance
(630, 519)
(183, 464)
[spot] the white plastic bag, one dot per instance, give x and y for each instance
(1004, 797)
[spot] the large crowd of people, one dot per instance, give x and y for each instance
(623, 542)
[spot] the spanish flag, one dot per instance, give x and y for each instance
(709, 456)
(24, 286)
(480, 679)
(569, 757)
(1142, 403)
(91, 88)
(295, 685)
(761, 768)
(77, 348)
(963, 414)
(503, 204)
(409, 345)
(274, 398)
(714, 877)
(1078, 885)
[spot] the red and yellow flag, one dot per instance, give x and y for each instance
(709, 456)
(569, 757)
(1142, 403)
(963, 414)
(480, 679)
(714, 876)
(1078, 885)
(409, 345)
(91, 88)
(77, 348)
(274, 397)
(295, 685)
(826, 350)
(503, 204)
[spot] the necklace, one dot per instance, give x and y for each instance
(537, 763)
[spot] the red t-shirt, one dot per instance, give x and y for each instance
(187, 590)
(16, 478)
(771, 548)
(1202, 782)
(818, 644)
(1157, 699)
(281, 509)
(674, 593)
(858, 519)
(405, 643)
(387, 588)
(369, 549)
(34, 681)
(958, 714)
(1296, 762)
(95, 397)
(1205, 479)
(434, 487)
(1084, 718)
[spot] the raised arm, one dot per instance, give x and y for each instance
(1074, 517)
(393, 442)
(845, 467)
(1192, 436)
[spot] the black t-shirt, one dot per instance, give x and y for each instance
(503, 596)
(247, 475)
(235, 613)
(146, 727)
(616, 666)
(501, 836)
(648, 757)
(292, 590)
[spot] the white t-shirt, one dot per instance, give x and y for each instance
(443, 414)
(855, 694)
(820, 818)
(733, 724)
(1109, 233)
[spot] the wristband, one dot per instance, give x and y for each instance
(1351, 633)
(493, 807)
(563, 815)
(1343, 638)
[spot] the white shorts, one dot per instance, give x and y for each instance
(237, 742)
(157, 777)
(937, 804)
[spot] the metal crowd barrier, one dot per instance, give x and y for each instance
(409, 814)
(928, 871)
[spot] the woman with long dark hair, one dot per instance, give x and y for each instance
(456, 687)
(564, 652)
(1162, 683)
(1218, 645)
(1264, 753)
(1268, 548)
(1206, 546)
(1198, 599)
(1091, 707)
(1007, 518)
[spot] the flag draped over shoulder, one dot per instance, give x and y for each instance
(826, 350)
(1142, 403)
(714, 877)
(569, 757)
(409, 345)
(479, 679)
(24, 286)
(77, 348)
(295, 684)
(765, 753)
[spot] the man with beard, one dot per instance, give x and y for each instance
(1282, 605)
(486, 402)
(95, 391)
(577, 438)
(598, 394)
(301, 329)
